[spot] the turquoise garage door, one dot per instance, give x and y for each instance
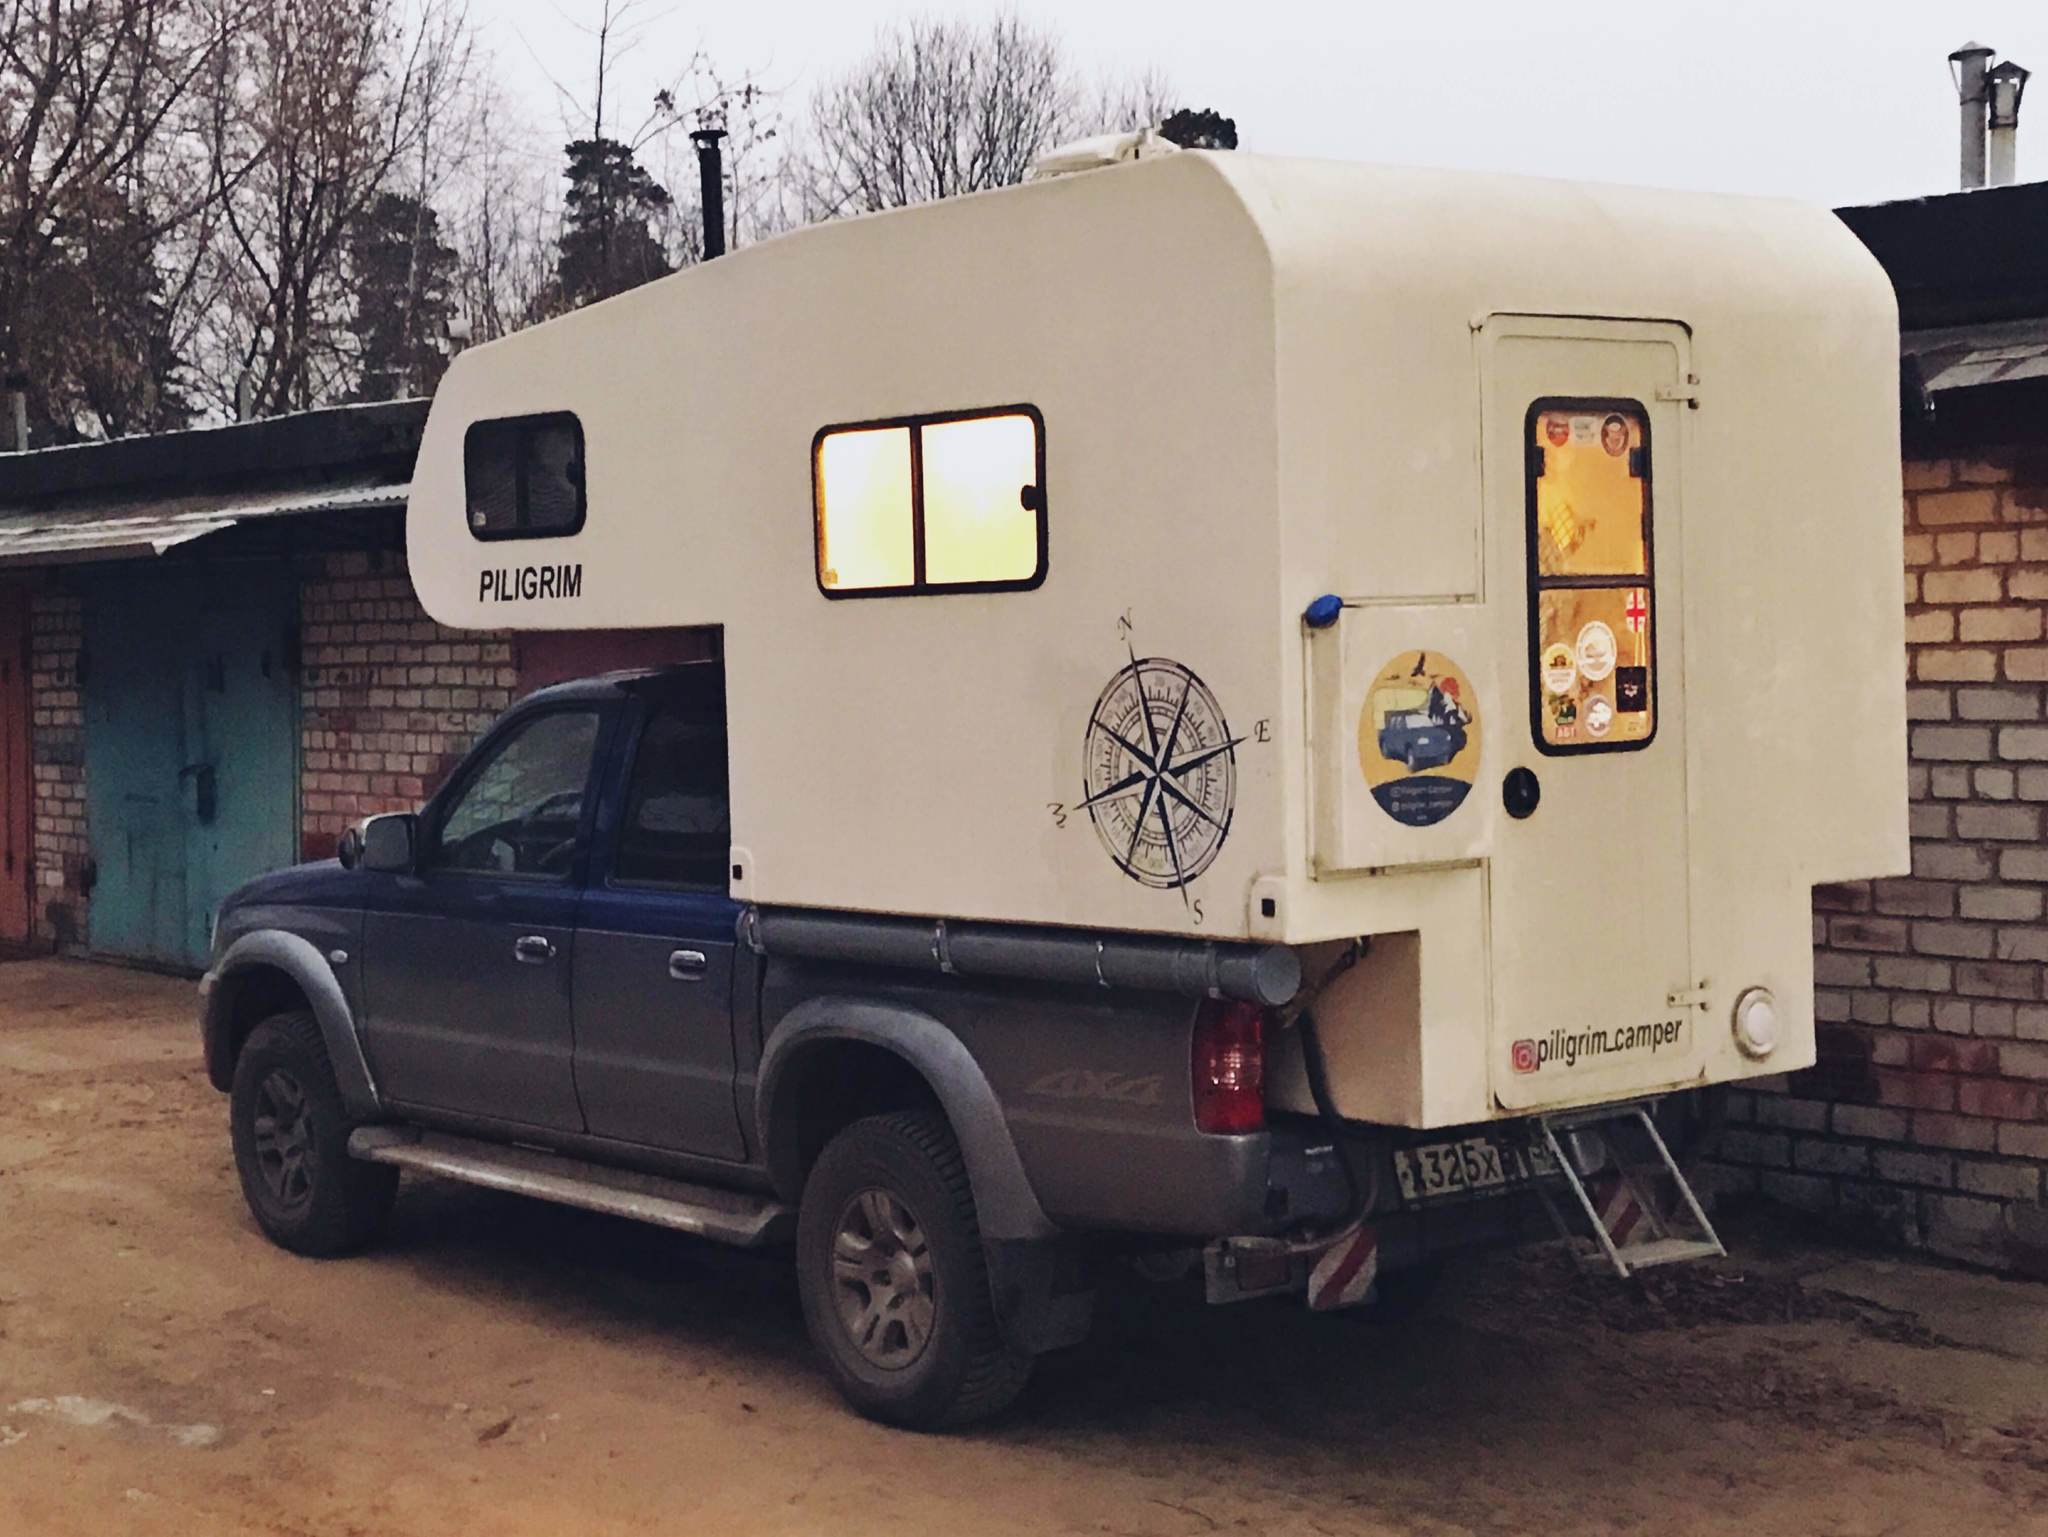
(190, 749)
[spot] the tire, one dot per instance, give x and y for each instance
(890, 1196)
(304, 1190)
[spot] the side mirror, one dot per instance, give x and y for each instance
(349, 848)
(389, 844)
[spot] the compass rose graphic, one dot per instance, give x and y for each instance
(1160, 773)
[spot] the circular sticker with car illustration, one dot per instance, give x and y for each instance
(1418, 737)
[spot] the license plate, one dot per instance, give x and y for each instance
(1469, 1166)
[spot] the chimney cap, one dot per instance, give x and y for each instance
(1971, 51)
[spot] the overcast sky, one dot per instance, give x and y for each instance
(1837, 101)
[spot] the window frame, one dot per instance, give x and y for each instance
(613, 881)
(525, 423)
(434, 822)
(918, 586)
(1536, 584)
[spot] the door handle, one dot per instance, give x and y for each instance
(687, 965)
(207, 784)
(533, 949)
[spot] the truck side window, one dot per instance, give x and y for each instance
(520, 812)
(947, 503)
(1592, 578)
(523, 476)
(678, 827)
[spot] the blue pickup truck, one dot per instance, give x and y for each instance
(539, 983)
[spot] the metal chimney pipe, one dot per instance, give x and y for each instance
(2005, 83)
(711, 187)
(1968, 66)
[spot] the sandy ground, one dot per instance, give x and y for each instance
(500, 1367)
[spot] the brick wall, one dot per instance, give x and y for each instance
(57, 736)
(1926, 1118)
(389, 701)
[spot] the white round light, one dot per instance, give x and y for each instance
(1756, 1022)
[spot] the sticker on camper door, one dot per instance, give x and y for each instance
(1418, 737)
(1160, 769)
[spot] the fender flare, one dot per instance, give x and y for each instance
(1004, 1201)
(278, 950)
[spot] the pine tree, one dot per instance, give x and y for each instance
(609, 244)
(403, 277)
(1200, 128)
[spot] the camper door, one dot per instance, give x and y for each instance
(1594, 976)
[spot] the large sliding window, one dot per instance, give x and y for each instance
(945, 503)
(1592, 583)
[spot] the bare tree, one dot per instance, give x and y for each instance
(941, 107)
(506, 220)
(110, 150)
(332, 103)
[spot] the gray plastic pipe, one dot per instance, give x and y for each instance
(1262, 974)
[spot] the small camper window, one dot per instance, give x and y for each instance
(1591, 577)
(946, 503)
(523, 476)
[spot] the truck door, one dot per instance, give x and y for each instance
(655, 951)
(1585, 493)
(466, 964)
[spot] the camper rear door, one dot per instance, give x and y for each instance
(1589, 917)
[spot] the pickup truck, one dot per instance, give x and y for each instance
(540, 984)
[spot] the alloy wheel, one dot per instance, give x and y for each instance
(284, 1140)
(883, 1282)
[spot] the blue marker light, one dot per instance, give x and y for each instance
(1322, 613)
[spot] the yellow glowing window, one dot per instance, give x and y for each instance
(946, 503)
(1593, 590)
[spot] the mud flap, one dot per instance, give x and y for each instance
(1044, 1297)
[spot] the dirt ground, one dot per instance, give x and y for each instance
(500, 1367)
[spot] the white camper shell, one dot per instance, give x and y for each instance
(1251, 549)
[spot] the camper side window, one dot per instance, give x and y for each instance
(947, 503)
(523, 476)
(1592, 580)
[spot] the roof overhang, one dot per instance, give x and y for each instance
(1974, 356)
(139, 527)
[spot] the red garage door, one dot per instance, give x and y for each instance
(15, 822)
(555, 656)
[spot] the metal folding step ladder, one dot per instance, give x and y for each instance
(1633, 1225)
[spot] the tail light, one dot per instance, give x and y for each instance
(1230, 1068)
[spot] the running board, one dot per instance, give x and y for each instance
(726, 1216)
(1634, 1229)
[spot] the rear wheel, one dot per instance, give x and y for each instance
(290, 1135)
(895, 1286)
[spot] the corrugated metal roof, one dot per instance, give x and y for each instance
(1969, 357)
(125, 527)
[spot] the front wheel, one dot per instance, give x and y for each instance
(895, 1286)
(290, 1134)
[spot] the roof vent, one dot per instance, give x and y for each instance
(1104, 149)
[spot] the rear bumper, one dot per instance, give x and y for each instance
(1307, 1188)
